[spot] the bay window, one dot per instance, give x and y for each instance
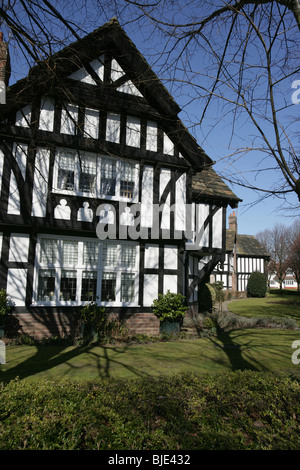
(70, 271)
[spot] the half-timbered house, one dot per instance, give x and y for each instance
(244, 255)
(105, 195)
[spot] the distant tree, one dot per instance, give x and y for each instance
(276, 242)
(235, 58)
(294, 259)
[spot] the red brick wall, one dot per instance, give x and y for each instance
(45, 325)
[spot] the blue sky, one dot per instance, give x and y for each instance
(252, 218)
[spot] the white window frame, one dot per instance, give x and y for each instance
(80, 267)
(98, 193)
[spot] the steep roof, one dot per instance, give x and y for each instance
(207, 185)
(247, 245)
(111, 38)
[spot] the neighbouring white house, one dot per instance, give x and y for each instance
(289, 281)
(244, 255)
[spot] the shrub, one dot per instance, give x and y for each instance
(98, 326)
(4, 305)
(257, 285)
(170, 307)
(207, 298)
(239, 410)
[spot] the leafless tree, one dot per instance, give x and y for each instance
(236, 61)
(294, 259)
(279, 242)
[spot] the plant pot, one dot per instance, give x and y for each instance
(169, 328)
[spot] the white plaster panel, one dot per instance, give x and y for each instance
(180, 203)
(69, 119)
(113, 128)
(170, 283)
(151, 256)
(40, 184)
(46, 121)
(217, 229)
(151, 138)
(82, 76)
(91, 123)
(170, 257)
(16, 286)
(168, 146)
(165, 176)
(18, 248)
(23, 117)
(147, 197)
(150, 289)
(133, 131)
(202, 234)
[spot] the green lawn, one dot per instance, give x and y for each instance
(277, 305)
(250, 349)
(236, 390)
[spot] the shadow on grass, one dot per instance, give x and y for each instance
(234, 351)
(48, 357)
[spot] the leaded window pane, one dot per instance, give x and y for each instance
(48, 251)
(127, 287)
(46, 285)
(128, 254)
(70, 252)
(89, 286)
(127, 178)
(66, 171)
(108, 177)
(88, 170)
(110, 251)
(68, 285)
(90, 253)
(108, 287)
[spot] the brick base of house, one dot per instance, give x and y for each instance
(67, 324)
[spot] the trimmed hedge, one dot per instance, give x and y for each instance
(207, 299)
(257, 285)
(232, 411)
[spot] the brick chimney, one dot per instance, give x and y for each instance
(232, 221)
(4, 69)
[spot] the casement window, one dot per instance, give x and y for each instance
(108, 177)
(127, 287)
(90, 174)
(108, 287)
(89, 286)
(70, 271)
(46, 285)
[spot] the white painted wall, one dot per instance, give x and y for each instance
(18, 248)
(47, 108)
(16, 286)
(40, 183)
